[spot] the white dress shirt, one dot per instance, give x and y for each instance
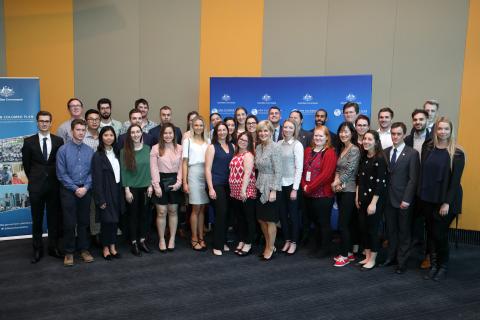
(49, 143)
(399, 151)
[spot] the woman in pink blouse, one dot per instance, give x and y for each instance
(166, 171)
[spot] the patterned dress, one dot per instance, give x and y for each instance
(236, 179)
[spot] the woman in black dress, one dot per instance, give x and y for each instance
(370, 195)
(440, 192)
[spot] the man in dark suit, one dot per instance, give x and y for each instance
(274, 117)
(304, 136)
(165, 117)
(403, 170)
(135, 117)
(38, 157)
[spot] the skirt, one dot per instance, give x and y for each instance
(197, 184)
(168, 196)
(268, 211)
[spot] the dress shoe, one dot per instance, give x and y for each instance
(400, 270)
(367, 269)
(116, 256)
(56, 253)
(135, 250)
(86, 256)
(388, 263)
(108, 257)
(68, 260)
(263, 258)
(441, 274)
(143, 246)
(37, 255)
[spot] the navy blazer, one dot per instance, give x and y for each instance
(155, 133)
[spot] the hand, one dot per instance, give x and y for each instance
(158, 192)
(305, 188)
(103, 206)
(293, 195)
(128, 196)
(372, 207)
(444, 209)
(272, 196)
(185, 188)
(404, 205)
(149, 191)
(175, 187)
(357, 204)
(212, 194)
(80, 192)
(243, 196)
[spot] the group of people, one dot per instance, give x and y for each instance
(256, 176)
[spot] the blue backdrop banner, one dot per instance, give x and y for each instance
(306, 94)
(19, 104)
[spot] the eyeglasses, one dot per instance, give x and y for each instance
(44, 121)
(243, 140)
(94, 120)
(251, 123)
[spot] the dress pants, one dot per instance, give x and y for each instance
(221, 206)
(346, 211)
(76, 214)
(245, 216)
(321, 212)
(48, 199)
(398, 233)
(290, 218)
(137, 214)
(108, 235)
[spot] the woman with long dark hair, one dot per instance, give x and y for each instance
(217, 170)
(193, 176)
(370, 195)
(362, 125)
(240, 116)
(251, 124)
(440, 192)
(166, 171)
(243, 192)
(319, 165)
(107, 190)
(345, 186)
(137, 181)
(231, 125)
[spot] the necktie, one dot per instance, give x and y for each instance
(394, 159)
(45, 151)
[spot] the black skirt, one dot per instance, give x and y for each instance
(168, 196)
(268, 211)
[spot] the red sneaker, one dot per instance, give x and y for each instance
(341, 262)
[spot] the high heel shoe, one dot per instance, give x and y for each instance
(243, 253)
(196, 246)
(292, 249)
(143, 246)
(135, 250)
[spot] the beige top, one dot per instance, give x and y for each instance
(169, 162)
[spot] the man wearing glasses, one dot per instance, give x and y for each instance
(75, 108)
(93, 123)
(38, 157)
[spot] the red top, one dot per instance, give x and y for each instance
(236, 179)
(321, 166)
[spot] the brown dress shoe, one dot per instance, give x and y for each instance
(425, 263)
(68, 260)
(86, 256)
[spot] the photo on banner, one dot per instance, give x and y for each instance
(19, 104)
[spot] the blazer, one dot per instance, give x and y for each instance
(451, 189)
(403, 177)
(155, 133)
(41, 173)
(105, 189)
(409, 138)
(305, 137)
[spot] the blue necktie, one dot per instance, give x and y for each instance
(45, 151)
(394, 159)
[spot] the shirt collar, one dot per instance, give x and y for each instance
(41, 136)
(399, 148)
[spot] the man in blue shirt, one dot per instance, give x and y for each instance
(73, 172)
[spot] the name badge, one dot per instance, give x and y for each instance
(308, 176)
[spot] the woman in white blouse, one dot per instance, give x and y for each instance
(166, 171)
(194, 149)
(292, 166)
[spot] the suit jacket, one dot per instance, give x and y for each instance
(280, 137)
(41, 173)
(451, 189)
(305, 137)
(403, 177)
(155, 133)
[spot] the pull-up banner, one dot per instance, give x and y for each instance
(306, 94)
(19, 104)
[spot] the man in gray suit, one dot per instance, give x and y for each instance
(403, 170)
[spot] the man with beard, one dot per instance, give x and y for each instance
(420, 133)
(142, 106)
(104, 106)
(321, 118)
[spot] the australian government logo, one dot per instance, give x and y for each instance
(6, 93)
(226, 99)
(266, 99)
(308, 99)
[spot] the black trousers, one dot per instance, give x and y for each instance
(108, 234)
(369, 226)
(321, 211)
(137, 214)
(398, 232)
(48, 199)
(346, 211)
(221, 206)
(290, 218)
(245, 217)
(438, 226)
(76, 215)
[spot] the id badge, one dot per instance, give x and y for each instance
(308, 175)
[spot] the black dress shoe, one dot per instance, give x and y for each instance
(400, 270)
(388, 263)
(116, 256)
(108, 257)
(135, 250)
(145, 248)
(37, 255)
(54, 252)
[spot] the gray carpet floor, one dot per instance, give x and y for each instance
(192, 285)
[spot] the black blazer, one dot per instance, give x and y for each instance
(41, 173)
(305, 137)
(409, 139)
(403, 177)
(105, 189)
(451, 189)
(155, 133)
